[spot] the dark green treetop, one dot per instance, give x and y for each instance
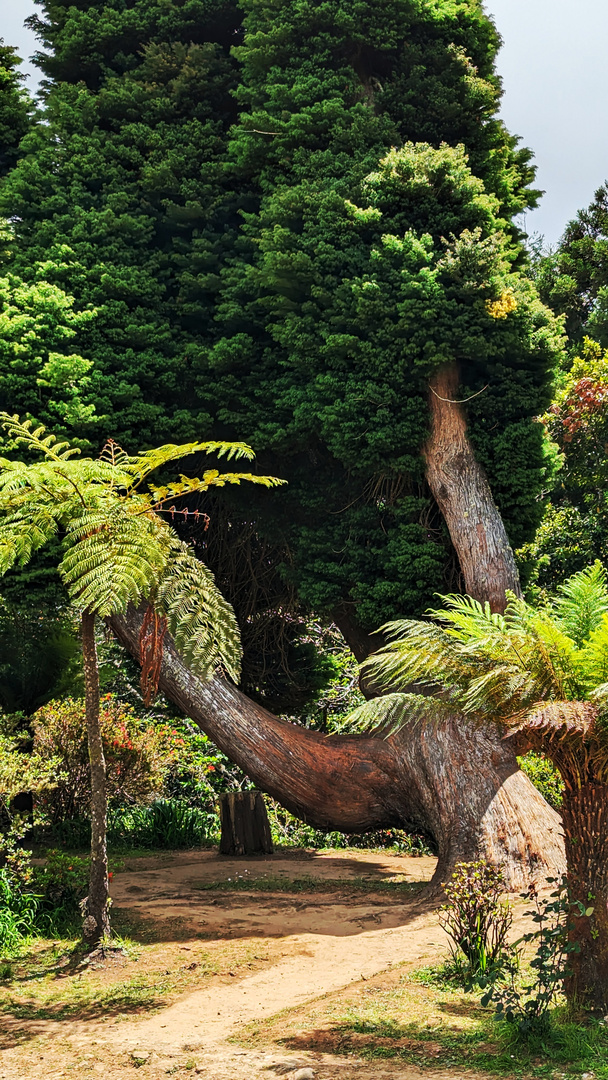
(287, 241)
(573, 280)
(363, 270)
(122, 184)
(15, 108)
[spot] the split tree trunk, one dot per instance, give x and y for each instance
(96, 919)
(461, 490)
(459, 786)
(245, 825)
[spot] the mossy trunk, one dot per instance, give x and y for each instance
(96, 925)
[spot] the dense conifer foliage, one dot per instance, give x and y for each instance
(15, 108)
(122, 183)
(573, 280)
(287, 219)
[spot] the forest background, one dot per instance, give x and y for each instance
(276, 225)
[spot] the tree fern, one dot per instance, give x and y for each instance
(119, 549)
(582, 603)
(119, 545)
(496, 667)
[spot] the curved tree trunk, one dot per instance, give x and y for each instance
(461, 490)
(459, 786)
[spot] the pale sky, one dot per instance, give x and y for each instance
(553, 65)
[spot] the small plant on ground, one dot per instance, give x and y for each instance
(476, 919)
(18, 909)
(523, 1002)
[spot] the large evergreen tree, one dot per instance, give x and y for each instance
(15, 108)
(262, 261)
(573, 279)
(364, 270)
(122, 185)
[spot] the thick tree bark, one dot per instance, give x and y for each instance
(458, 786)
(461, 490)
(585, 817)
(96, 919)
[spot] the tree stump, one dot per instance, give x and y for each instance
(245, 825)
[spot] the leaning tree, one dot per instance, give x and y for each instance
(292, 276)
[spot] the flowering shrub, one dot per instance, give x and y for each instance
(138, 755)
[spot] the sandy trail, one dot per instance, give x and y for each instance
(326, 941)
(333, 940)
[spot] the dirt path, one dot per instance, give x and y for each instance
(321, 941)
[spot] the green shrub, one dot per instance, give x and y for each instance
(18, 911)
(525, 1003)
(544, 776)
(290, 831)
(476, 919)
(138, 754)
(167, 823)
(61, 884)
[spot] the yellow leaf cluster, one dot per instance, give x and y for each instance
(499, 309)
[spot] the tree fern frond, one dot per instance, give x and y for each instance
(558, 719)
(21, 536)
(468, 619)
(593, 658)
(113, 561)
(385, 716)
(582, 603)
(201, 621)
(142, 464)
(49, 445)
(212, 478)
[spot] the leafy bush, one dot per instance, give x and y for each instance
(167, 823)
(290, 831)
(138, 754)
(526, 1004)
(62, 883)
(544, 776)
(18, 911)
(476, 919)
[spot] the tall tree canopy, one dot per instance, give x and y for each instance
(573, 279)
(288, 219)
(15, 108)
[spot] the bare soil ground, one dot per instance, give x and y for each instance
(226, 945)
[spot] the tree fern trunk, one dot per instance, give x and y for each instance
(459, 786)
(96, 920)
(585, 816)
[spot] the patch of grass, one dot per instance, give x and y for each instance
(309, 883)
(421, 1018)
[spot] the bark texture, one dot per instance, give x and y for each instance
(96, 921)
(245, 825)
(459, 786)
(585, 817)
(462, 492)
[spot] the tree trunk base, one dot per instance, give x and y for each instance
(245, 825)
